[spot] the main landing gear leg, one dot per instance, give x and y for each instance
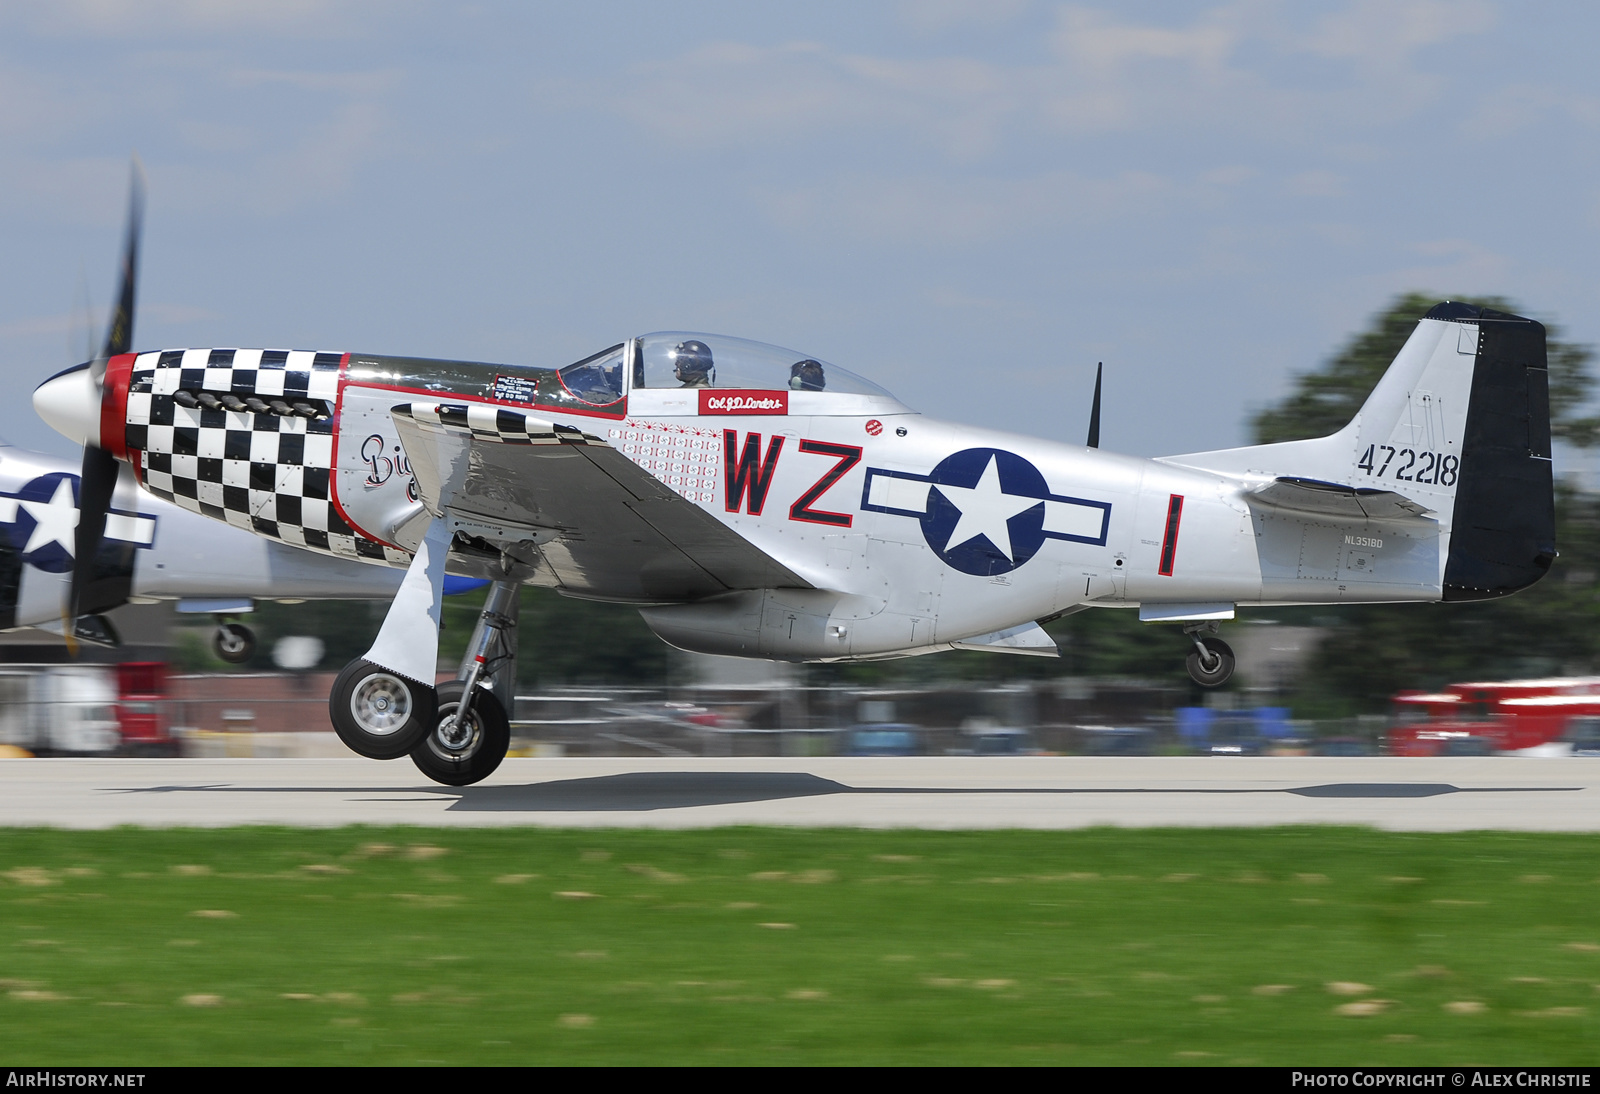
(383, 704)
(471, 731)
(1210, 663)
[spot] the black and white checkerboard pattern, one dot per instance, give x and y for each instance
(495, 423)
(262, 472)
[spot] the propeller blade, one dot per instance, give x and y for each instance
(119, 331)
(95, 486)
(98, 480)
(1094, 411)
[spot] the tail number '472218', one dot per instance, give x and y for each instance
(1434, 468)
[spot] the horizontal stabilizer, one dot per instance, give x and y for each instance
(1030, 639)
(1335, 500)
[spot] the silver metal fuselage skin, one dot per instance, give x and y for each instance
(884, 587)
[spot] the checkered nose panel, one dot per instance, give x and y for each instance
(267, 473)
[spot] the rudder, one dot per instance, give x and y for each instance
(1504, 526)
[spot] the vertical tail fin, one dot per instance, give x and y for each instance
(1460, 424)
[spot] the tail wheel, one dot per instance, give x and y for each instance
(1213, 669)
(234, 643)
(378, 714)
(461, 751)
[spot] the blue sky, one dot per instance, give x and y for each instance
(970, 203)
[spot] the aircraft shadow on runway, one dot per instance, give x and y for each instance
(648, 790)
(642, 791)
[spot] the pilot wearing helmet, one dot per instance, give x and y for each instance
(806, 376)
(692, 364)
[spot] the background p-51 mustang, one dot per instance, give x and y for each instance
(152, 550)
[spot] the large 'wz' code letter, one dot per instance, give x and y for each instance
(749, 476)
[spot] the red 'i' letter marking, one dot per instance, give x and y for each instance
(1169, 542)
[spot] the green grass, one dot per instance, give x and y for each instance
(408, 946)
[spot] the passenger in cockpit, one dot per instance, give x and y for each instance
(692, 364)
(806, 376)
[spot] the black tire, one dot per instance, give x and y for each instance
(1216, 674)
(461, 759)
(234, 643)
(379, 714)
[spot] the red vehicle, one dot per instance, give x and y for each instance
(1477, 719)
(142, 708)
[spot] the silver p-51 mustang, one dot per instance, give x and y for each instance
(758, 502)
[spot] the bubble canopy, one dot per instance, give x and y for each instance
(678, 359)
(660, 369)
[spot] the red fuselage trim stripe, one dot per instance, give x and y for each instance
(1169, 542)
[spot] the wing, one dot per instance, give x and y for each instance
(1336, 500)
(606, 528)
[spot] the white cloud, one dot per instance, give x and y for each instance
(1504, 111)
(937, 210)
(38, 104)
(1112, 76)
(317, 164)
(1231, 175)
(1388, 32)
(215, 133)
(951, 299)
(932, 16)
(729, 92)
(145, 18)
(1448, 265)
(36, 325)
(1093, 38)
(1235, 67)
(1318, 184)
(361, 82)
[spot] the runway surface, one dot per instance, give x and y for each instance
(932, 792)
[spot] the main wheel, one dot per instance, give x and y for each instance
(378, 714)
(462, 751)
(234, 643)
(1214, 670)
